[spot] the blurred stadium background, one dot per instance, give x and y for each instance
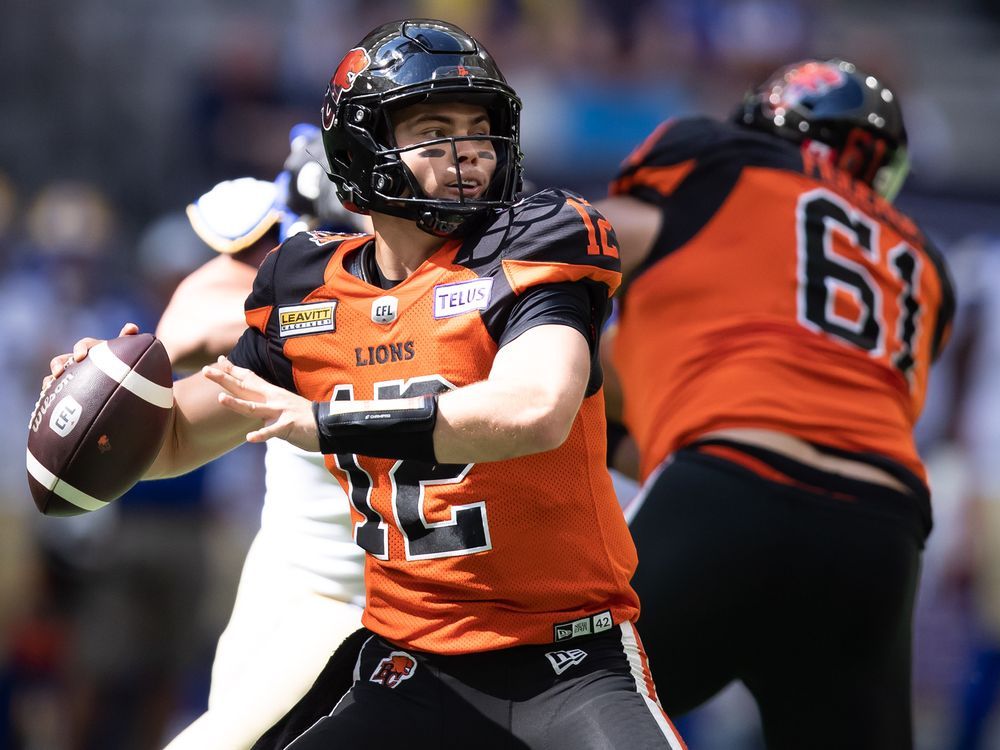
(114, 114)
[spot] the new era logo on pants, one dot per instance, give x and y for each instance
(563, 660)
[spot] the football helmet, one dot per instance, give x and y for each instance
(396, 65)
(308, 198)
(853, 114)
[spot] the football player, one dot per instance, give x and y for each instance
(301, 591)
(773, 348)
(447, 367)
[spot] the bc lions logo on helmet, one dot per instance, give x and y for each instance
(811, 79)
(394, 668)
(355, 62)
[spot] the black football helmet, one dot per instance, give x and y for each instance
(404, 63)
(832, 102)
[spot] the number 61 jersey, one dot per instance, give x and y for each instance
(778, 295)
(461, 558)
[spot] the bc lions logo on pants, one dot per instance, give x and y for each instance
(394, 668)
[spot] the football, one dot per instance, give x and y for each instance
(99, 425)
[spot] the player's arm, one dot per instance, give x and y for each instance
(204, 317)
(636, 224)
(526, 405)
(199, 428)
(642, 204)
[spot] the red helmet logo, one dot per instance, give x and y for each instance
(393, 669)
(355, 62)
(810, 79)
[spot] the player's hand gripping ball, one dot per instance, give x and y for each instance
(99, 425)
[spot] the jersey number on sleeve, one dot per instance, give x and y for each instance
(465, 533)
(599, 237)
(824, 274)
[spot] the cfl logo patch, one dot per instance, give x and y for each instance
(393, 669)
(385, 309)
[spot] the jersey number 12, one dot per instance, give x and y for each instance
(465, 533)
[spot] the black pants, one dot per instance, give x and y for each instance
(590, 692)
(806, 596)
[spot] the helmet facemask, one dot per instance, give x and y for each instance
(889, 178)
(395, 189)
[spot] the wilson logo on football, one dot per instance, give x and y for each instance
(393, 669)
(44, 402)
(355, 63)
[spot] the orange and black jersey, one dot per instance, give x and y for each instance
(779, 294)
(474, 557)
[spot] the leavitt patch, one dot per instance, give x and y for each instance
(315, 317)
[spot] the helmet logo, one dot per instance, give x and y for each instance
(355, 62)
(811, 79)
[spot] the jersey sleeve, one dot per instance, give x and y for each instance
(287, 276)
(680, 149)
(552, 304)
(553, 258)
(668, 155)
(556, 236)
(687, 169)
(251, 350)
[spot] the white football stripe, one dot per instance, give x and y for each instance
(67, 492)
(120, 372)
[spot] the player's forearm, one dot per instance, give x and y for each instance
(486, 421)
(512, 413)
(200, 429)
(492, 421)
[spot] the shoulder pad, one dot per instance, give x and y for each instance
(234, 214)
(673, 142)
(672, 151)
(291, 272)
(548, 237)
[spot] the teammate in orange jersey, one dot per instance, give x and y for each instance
(773, 347)
(447, 367)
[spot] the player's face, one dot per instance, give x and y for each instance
(434, 165)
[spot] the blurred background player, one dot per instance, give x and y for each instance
(302, 588)
(773, 349)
